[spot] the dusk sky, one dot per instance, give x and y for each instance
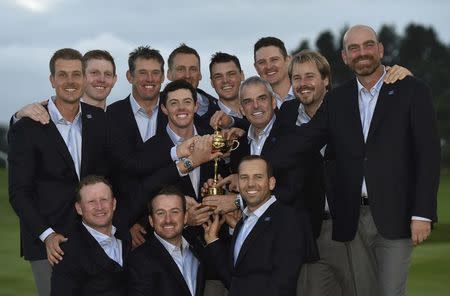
(33, 29)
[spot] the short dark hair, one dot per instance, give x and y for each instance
(147, 53)
(184, 49)
(269, 169)
(176, 85)
(98, 54)
(222, 57)
(65, 54)
(91, 180)
(168, 190)
(270, 41)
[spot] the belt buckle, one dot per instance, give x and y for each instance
(364, 201)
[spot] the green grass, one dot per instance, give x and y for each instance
(429, 275)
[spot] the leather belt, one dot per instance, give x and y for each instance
(364, 201)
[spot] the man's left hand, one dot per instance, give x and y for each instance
(420, 230)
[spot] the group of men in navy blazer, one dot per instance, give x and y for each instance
(367, 141)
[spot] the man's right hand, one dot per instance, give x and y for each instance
(198, 214)
(35, 111)
(54, 251)
(185, 149)
(220, 119)
(212, 228)
(137, 232)
(203, 151)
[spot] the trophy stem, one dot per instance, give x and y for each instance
(216, 165)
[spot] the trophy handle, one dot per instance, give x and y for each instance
(234, 145)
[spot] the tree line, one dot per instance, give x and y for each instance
(418, 48)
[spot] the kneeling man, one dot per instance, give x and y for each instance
(95, 251)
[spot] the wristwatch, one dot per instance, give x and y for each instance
(237, 202)
(187, 164)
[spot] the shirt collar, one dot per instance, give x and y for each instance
(251, 136)
(56, 116)
(171, 247)
(176, 139)
(228, 110)
(100, 237)
(262, 209)
(136, 107)
(376, 88)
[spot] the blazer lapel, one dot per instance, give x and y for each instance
(271, 140)
(233, 242)
(351, 103)
(169, 264)
(263, 222)
(86, 139)
(99, 254)
(55, 137)
(386, 93)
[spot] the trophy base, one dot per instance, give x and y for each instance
(215, 191)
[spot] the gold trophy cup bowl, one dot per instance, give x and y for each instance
(220, 144)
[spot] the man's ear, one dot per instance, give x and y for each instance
(78, 208)
(164, 109)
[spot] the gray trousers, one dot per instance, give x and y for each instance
(330, 276)
(385, 261)
(42, 273)
(215, 288)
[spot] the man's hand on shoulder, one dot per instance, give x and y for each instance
(52, 245)
(35, 111)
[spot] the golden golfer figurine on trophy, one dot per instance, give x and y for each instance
(220, 144)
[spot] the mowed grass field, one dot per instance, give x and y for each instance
(429, 276)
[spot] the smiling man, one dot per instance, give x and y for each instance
(271, 63)
(95, 249)
(100, 70)
(47, 162)
(165, 264)
(269, 242)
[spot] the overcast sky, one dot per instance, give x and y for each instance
(31, 30)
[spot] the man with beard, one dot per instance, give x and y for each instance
(386, 173)
(166, 264)
(310, 75)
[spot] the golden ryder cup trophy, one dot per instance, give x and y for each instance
(220, 144)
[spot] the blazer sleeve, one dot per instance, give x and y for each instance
(22, 168)
(427, 152)
(288, 255)
(141, 280)
(216, 259)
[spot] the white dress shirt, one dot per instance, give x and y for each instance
(249, 221)
(228, 111)
(257, 141)
(186, 261)
(146, 123)
(194, 175)
(280, 101)
(71, 134)
(203, 104)
(110, 244)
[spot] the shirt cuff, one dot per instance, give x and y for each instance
(230, 230)
(417, 218)
(46, 233)
(173, 153)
